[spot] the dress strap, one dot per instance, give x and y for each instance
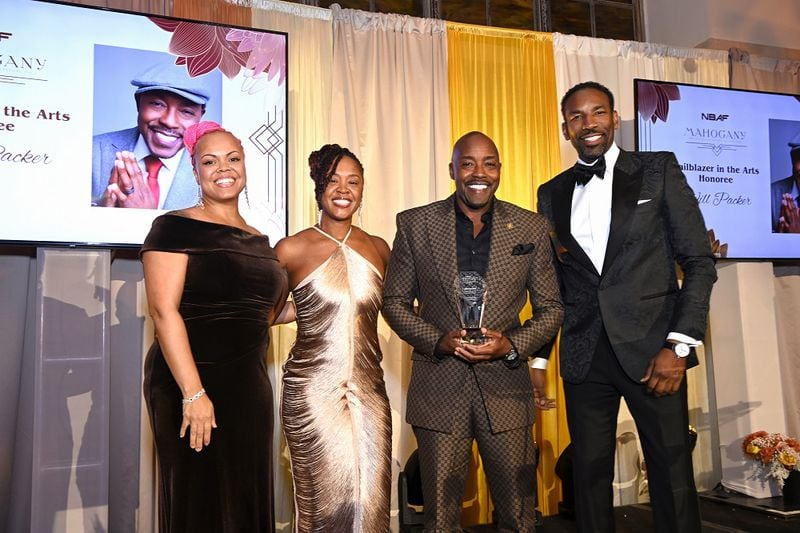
(331, 237)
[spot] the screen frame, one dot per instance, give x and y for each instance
(637, 80)
(24, 243)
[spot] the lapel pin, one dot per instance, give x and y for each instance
(510, 225)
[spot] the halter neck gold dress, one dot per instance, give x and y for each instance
(334, 408)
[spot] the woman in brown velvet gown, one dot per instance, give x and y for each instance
(213, 286)
(334, 407)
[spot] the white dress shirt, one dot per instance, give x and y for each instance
(590, 220)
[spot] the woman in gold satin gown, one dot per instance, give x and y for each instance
(334, 408)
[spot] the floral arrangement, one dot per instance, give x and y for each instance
(777, 452)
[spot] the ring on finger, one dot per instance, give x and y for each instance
(129, 191)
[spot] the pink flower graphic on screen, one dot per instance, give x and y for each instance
(202, 47)
(654, 99)
(267, 53)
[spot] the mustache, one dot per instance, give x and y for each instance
(166, 131)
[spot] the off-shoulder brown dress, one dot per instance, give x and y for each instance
(233, 280)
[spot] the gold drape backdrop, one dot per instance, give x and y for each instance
(503, 82)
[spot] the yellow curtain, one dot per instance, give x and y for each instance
(502, 82)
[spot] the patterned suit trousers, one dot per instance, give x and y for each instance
(508, 458)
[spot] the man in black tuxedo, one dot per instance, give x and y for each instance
(629, 330)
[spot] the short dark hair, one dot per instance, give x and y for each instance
(322, 164)
(588, 85)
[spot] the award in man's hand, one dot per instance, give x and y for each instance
(471, 290)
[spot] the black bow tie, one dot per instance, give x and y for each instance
(583, 173)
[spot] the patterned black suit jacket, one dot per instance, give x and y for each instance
(655, 221)
(423, 267)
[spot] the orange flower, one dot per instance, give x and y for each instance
(767, 454)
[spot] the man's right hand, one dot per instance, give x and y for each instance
(449, 342)
(127, 186)
(789, 221)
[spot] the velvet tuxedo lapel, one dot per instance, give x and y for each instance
(562, 211)
(441, 227)
(624, 196)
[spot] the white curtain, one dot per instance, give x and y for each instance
(310, 49)
(390, 106)
(615, 64)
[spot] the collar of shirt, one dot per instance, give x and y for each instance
(611, 159)
(486, 218)
(167, 172)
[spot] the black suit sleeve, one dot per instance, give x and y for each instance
(692, 251)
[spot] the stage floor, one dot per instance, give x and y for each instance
(721, 511)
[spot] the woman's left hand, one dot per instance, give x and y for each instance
(198, 417)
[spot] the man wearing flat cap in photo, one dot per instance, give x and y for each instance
(147, 167)
(786, 195)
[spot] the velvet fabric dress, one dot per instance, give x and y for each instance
(233, 280)
(334, 407)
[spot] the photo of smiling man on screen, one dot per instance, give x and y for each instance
(146, 166)
(785, 195)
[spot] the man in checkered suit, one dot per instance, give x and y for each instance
(460, 392)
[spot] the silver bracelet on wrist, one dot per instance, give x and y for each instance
(199, 394)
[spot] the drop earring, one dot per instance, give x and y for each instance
(319, 219)
(246, 198)
(360, 220)
(200, 202)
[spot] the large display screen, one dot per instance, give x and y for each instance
(740, 151)
(80, 85)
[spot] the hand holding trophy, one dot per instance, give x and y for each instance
(471, 291)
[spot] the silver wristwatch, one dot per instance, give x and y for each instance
(681, 349)
(512, 356)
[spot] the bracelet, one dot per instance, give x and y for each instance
(199, 394)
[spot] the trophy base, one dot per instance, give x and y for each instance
(474, 336)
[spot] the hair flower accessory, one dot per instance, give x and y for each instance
(195, 131)
(776, 452)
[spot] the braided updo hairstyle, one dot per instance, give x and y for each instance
(323, 164)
